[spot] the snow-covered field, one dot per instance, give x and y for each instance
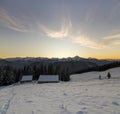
(84, 94)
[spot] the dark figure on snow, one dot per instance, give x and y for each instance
(109, 75)
(100, 77)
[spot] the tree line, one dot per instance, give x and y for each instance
(100, 67)
(10, 74)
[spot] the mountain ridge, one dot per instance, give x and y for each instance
(75, 64)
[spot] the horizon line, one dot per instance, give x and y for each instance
(59, 57)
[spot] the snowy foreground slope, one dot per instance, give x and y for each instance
(84, 94)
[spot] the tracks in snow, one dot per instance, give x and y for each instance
(6, 105)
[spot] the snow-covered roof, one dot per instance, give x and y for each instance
(48, 78)
(26, 78)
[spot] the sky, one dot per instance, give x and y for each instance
(60, 28)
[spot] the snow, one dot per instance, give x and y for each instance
(84, 94)
(26, 78)
(48, 78)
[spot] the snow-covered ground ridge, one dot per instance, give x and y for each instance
(84, 94)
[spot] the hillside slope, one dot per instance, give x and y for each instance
(115, 74)
(84, 94)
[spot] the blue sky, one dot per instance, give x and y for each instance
(60, 28)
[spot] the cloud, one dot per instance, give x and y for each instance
(113, 39)
(117, 42)
(63, 32)
(116, 30)
(53, 33)
(87, 41)
(113, 36)
(66, 30)
(81, 38)
(12, 22)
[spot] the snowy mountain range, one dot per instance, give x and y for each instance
(75, 64)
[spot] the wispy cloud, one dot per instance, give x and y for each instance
(117, 36)
(116, 42)
(66, 30)
(12, 22)
(87, 41)
(113, 39)
(116, 30)
(63, 32)
(81, 38)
